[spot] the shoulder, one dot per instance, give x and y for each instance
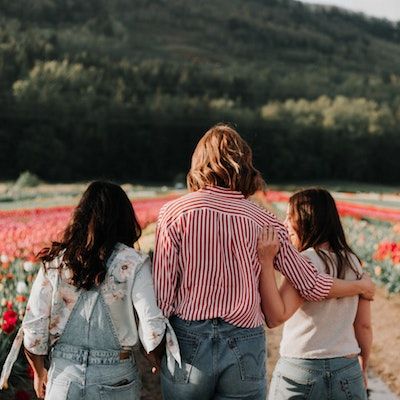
(261, 214)
(182, 204)
(125, 254)
(260, 217)
(125, 261)
(310, 252)
(52, 269)
(311, 255)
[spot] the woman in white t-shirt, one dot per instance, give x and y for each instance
(325, 345)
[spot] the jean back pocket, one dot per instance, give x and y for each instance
(250, 354)
(57, 390)
(188, 346)
(120, 391)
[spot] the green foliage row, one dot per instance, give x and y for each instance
(364, 237)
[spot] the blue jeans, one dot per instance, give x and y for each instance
(80, 374)
(85, 362)
(329, 379)
(219, 361)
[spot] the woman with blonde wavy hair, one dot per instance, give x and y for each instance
(206, 274)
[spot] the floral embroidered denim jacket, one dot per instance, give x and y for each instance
(128, 287)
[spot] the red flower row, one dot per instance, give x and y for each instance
(388, 250)
(23, 233)
(10, 319)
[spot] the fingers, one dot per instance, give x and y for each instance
(268, 242)
(40, 392)
(272, 235)
(268, 234)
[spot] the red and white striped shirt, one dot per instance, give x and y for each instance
(206, 264)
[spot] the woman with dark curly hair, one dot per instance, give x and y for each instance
(84, 302)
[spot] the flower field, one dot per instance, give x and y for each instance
(373, 232)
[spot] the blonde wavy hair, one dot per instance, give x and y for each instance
(223, 158)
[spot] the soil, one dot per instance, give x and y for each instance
(385, 357)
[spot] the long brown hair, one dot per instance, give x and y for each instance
(223, 158)
(103, 217)
(316, 221)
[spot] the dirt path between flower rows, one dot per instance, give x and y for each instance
(385, 358)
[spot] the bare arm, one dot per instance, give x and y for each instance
(40, 373)
(363, 331)
(278, 305)
(342, 288)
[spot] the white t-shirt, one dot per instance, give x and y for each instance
(323, 329)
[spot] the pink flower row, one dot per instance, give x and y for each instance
(24, 232)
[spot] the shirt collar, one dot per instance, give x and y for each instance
(223, 192)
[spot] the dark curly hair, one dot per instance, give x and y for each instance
(103, 217)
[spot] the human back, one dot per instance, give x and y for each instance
(206, 274)
(217, 230)
(323, 329)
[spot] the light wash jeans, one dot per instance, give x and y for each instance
(219, 361)
(322, 379)
(85, 362)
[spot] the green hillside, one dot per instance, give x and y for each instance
(75, 75)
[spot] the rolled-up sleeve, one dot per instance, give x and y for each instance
(302, 274)
(165, 265)
(36, 321)
(151, 320)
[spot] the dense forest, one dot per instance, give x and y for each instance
(124, 89)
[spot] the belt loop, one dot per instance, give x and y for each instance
(85, 358)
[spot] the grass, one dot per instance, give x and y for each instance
(51, 195)
(338, 186)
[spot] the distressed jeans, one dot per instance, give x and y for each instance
(220, 361)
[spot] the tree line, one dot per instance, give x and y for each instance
(124, 90)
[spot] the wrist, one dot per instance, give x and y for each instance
(360, 287)
(267, 262)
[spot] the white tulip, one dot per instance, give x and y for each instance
(28, 266)
(22, 287)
